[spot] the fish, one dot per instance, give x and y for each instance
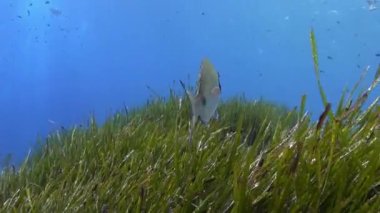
(55, 12)
(333, 12)
(52, 122)
(371, 5)
(205, 101)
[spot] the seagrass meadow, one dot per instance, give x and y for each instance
(258, 157)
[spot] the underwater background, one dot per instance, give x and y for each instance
(63, 61)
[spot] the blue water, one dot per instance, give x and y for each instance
(65, 60)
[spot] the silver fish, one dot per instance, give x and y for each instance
(205, 102)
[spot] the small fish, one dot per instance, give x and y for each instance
(205, 102)
(329, 57)
(333, 12)
(55, 12)
(52, 122)
(371, 5)
(28, 13)
(377, 54)
(47, 2)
